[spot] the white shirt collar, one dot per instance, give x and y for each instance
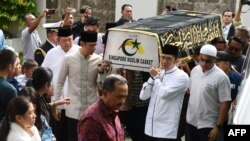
(54, 45)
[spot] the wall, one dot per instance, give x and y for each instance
(107, 11)
(149, 8)
(215, 6)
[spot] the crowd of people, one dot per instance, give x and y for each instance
(64, 91)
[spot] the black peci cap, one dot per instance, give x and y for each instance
(170, 49)
(88, 36)
(65, 31)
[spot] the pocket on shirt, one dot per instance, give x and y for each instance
(209, 88)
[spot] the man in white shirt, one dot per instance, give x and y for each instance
(30, 38)
(209, 98)
(81, 70)
(92, 24)
(53, 60)
(165, 89)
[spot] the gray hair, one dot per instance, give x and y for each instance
(111, 80)
(26, 15)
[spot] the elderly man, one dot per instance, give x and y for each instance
(81, 70)
(165, 89)
(30, 38)
(209, 98)
(66, 46)
(100, 121)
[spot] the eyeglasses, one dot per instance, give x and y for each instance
(230, 48)
(207, 61)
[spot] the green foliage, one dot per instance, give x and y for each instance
(14, 11)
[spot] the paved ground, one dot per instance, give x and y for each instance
(128, 139)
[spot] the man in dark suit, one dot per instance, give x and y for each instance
(127, 13)
(228, 27)
(49, 44)
(85, 13)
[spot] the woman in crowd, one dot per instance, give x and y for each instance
(41, 82)
(18, 124)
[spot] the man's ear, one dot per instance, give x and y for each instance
(10, 67)
(47, 85)
(177, 60)
(104, 92)
(81, 43)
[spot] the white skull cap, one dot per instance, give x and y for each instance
(209, 49)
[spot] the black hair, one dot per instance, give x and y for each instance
(29, 63)
(174, 9)
(91, 21)
(63, 16)
(217, 40)
(197, 49)
(84, 8)
(7, 57)
(125, 5)
(110, 82)
(17, 106)
(238, 39)
(228, 11)
(40, 77)
(32, 95)
(168, 7)
(244, 31)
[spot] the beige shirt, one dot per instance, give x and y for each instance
(57, 54)
(82, 75)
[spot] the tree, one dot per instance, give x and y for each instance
(14, 11)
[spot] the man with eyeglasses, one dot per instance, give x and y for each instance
(209, 98)
(235, 48)
(53, 60)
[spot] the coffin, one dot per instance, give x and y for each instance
(137, 45)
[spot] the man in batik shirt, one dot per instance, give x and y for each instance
(100, 121)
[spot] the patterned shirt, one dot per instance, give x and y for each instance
(100, 124)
